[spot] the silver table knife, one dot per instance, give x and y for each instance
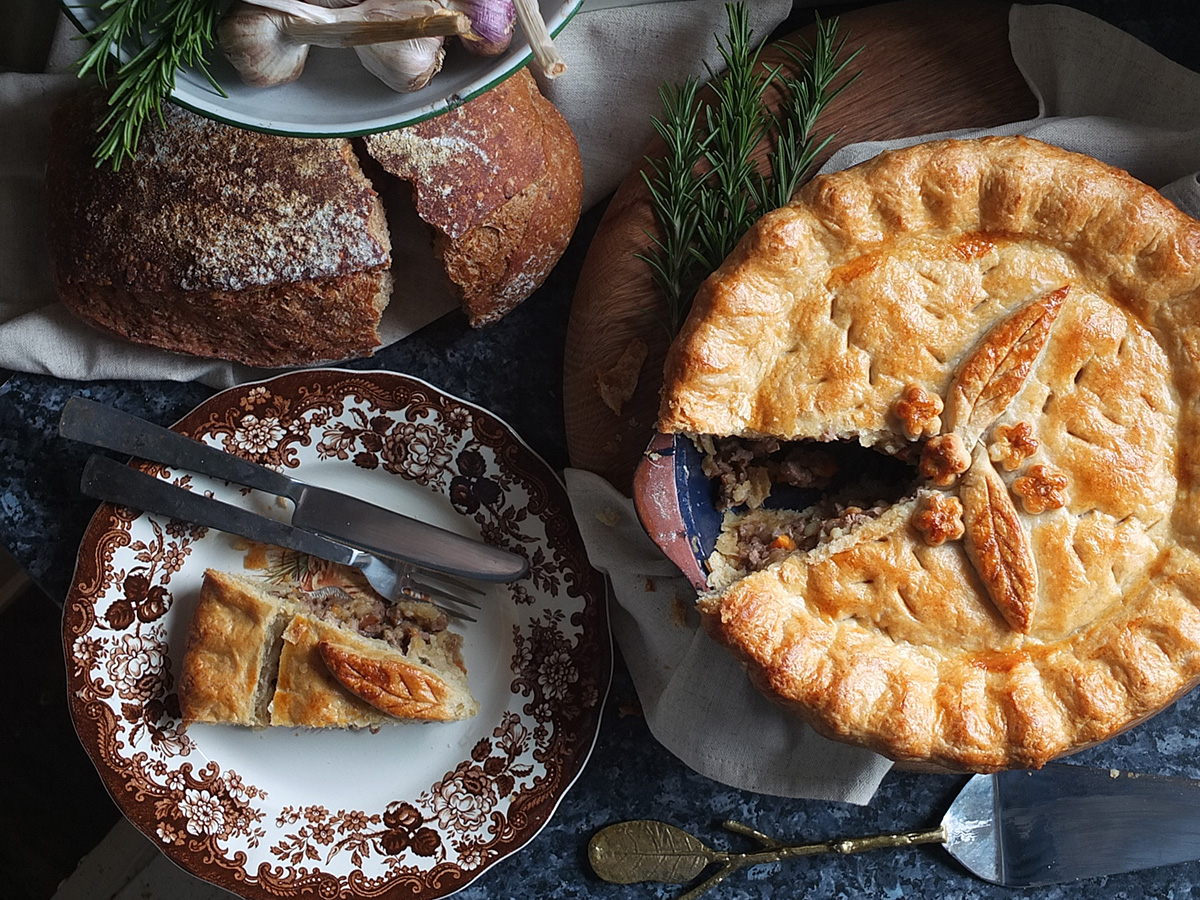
(382, 532)
(1018, 829)
(108, 480)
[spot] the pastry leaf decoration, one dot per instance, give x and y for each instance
(387, 688)
(996, 371)
(996, 543)
(982, 388)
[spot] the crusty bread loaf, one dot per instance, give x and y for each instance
(264, 654)
(218, 242)
(275, 251)
(500, 181)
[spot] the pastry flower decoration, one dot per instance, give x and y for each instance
(1012, 445)
(983, 513)
(939, 519)
(1041, 489)
(944, 458)
(919, 411)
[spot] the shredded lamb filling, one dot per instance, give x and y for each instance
(828, 489)
(397, 622)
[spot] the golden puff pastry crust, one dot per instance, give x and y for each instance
(330, 677)
(263, 654)
(1026, 321)
(229, 656)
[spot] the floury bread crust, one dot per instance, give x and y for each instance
(218, 242)
(1027, 318)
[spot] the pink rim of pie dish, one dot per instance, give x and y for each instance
(673, 499)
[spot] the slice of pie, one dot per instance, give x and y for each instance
(981, 362)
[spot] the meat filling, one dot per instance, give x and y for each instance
(782, 498)
(397, 622)
(762, 540)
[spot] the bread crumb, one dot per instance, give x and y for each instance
(617, 384)
(679, 610)
(609, 516)
(633, 708)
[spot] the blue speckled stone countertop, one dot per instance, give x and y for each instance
(515, 369)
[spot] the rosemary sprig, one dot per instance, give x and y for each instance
(706, 191)
(673, 261)
(162, 36)
(810, 93)
(737, 121)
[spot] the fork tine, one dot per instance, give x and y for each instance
(456, 613)
(421, 587)
(457, 583)
(415, 594)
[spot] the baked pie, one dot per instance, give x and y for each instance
(1004, 336)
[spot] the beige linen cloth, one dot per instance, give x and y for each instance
(608, 95)
(1100, 92)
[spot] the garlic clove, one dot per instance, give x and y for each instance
(255, 42)
(404, 66)
(492, 23)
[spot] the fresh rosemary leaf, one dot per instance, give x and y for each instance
(160, 37)
(707, 191)
(809, 94)
(674, 263)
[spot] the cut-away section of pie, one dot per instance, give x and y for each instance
(979, 363)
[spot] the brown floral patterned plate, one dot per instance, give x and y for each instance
(412, 810)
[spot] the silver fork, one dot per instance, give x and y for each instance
(106, 479)
(401, 578)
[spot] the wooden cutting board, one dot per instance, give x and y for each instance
(927, 66)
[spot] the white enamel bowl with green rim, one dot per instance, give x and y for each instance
(335, 95)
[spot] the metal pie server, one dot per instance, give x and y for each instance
(1018, 829)
(347, 519)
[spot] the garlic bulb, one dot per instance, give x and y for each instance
(401, 65)
(256, 42)
(492, 24)
(404, 65)
(399, 41)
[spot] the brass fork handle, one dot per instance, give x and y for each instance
(646, 850)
